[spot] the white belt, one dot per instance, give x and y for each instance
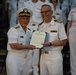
(19, 55)
(48, 52)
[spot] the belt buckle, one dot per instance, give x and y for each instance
(46, 52)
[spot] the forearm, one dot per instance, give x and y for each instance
(21, 46)
(55, 43)
(59, 43)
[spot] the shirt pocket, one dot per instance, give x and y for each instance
(53, 35)
(21, 40)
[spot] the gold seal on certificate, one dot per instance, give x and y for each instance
(37, 38)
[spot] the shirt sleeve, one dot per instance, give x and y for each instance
(12, 36)
(62, 33)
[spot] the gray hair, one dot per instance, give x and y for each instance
(47, 5)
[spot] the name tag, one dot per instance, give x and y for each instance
(21, 36)
(33, 24)
(53, 31)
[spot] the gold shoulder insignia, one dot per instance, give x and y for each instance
(16, 26)
(59, 21)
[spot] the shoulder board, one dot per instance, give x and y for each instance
(16, 26)
(59, 21)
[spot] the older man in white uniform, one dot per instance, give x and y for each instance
(51, 58)
(18, 45)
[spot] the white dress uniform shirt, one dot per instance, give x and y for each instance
(13, 7)
(51, 63)
(17, 60)
(72, 40)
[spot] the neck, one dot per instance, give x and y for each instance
(24, 28)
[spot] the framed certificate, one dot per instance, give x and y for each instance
(37, 38)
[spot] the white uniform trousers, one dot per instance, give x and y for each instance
(72, 43)
(51, 63)
(16, 65)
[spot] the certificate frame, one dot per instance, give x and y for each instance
(38, 37)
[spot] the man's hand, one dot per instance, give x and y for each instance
(46, 44)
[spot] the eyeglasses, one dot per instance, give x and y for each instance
(44, 11)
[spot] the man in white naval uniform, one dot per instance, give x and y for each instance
(51, 58)
(36, 19)
(18, 45)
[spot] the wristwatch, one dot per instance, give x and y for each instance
(50, 44)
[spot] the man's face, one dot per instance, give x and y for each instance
(24, 21)
(46, 13)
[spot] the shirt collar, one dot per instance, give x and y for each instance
(51, 22)
(21, 27)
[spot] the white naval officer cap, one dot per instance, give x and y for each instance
(24, 12)
(49, 4)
